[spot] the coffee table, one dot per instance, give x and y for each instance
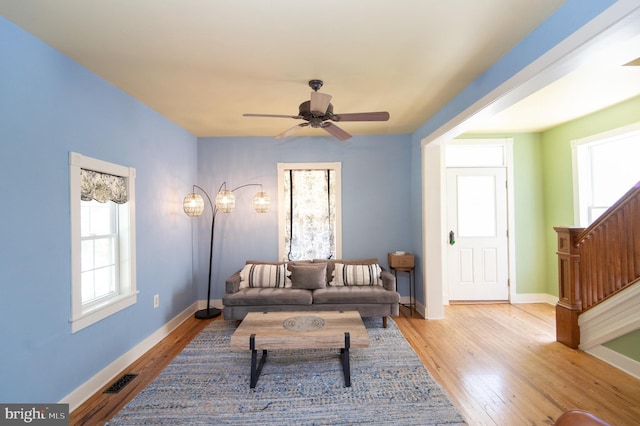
(300, 330)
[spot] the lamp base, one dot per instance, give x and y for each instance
(207, 313)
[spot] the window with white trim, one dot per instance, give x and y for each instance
(309, 221)
(102, 200)
(605, 168)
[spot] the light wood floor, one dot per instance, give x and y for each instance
(499, 364)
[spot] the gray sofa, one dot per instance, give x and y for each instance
(359, 284)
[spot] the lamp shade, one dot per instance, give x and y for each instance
(261, 202)
(225, 201)
(193, 204)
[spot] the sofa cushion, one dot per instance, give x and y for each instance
(268, 296)
(264, 275)
(355, 295)
(349, 275)
(310, 277)
(332, 262)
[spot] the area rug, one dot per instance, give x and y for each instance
(208, 384)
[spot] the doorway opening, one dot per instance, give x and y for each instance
(477, 220)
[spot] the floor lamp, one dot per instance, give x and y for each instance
(193, 205)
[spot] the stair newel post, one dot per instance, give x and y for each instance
(569, 302)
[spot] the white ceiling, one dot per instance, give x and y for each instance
(202, 64)
(602, 80)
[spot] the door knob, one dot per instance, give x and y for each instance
(452, 238)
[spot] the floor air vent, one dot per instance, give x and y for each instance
(120, 383)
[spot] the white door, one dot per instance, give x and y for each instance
(478, 239)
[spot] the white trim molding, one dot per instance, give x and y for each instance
(81, 315)
(621, 362)
(110, 372)
(615, 317)
(581, 169)
(534, 298)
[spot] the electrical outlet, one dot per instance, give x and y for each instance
(156, 301)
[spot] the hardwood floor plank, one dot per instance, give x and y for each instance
(499, 364)
(101, 407)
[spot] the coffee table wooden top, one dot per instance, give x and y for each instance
(300, 330)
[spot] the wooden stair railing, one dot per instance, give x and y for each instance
(597, 262)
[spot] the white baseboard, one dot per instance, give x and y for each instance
(406, 300)
(215, 303)
(616, 359)
(421, 309)
(534, 298)
(97, 382)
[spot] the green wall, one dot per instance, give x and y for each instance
(529, 213)
(558, 189)
(557, 172)
(628, 345)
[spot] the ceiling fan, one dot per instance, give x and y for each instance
(318, 113)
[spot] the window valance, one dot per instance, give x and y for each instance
(102, 187)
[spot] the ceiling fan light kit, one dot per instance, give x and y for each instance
(318, 113)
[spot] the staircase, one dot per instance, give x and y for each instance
(595, 266)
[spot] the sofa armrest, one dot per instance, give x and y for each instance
(232, 284)
(388, 280)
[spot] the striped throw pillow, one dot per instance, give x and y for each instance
(347, 275)
(264, 275)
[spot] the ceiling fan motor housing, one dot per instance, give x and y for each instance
(314, 118)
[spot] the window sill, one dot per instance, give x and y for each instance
(98, 313)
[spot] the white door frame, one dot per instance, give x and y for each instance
(507, 144)
(435, 238)
(614, 24)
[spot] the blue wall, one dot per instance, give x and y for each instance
(49, 105)
(375, 196)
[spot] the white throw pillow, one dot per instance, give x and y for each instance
(264, 275)
(346, 275)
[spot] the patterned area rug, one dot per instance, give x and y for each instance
(208, 384)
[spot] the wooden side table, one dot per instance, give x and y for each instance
(405, 263)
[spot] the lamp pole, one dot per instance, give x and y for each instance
(210, 312)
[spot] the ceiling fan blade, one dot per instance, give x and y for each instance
(271, 115)
(320, 102)
(335, 131)
(291, 130)
(362, 116)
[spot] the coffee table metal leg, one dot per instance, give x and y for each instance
(256, 368)
(344, 353)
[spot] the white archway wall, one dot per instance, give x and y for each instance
(617, 23)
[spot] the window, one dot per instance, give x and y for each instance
(605, 168)
(99, 250)
(310, 211)
(475, 153)
(102, 200)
